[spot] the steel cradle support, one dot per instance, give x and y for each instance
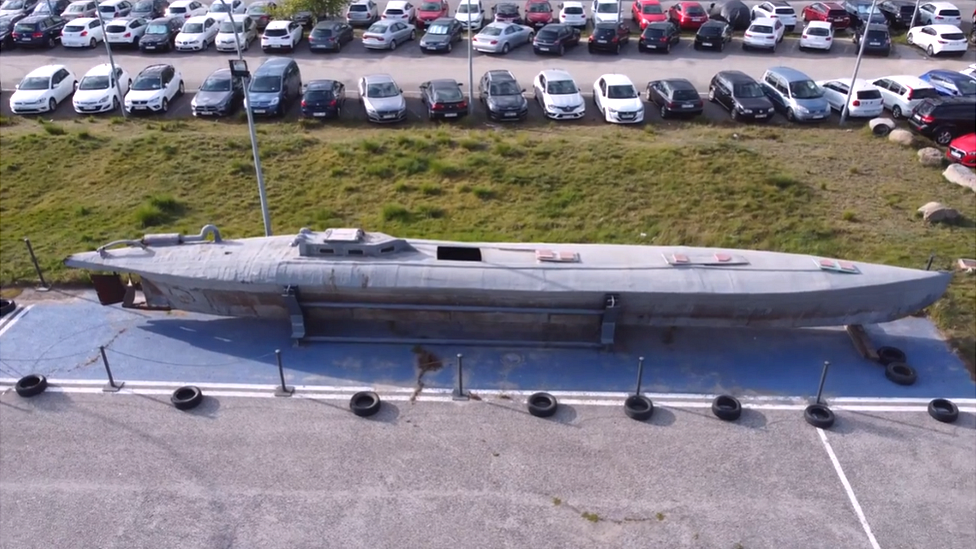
(611, 312)
(295, 313)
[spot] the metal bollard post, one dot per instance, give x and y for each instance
(37, 268)
(640, 375)
(459, 393)
(928, 265)
(823, 378)
(111, 387)
(282, 390)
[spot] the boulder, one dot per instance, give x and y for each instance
(902, 137)
(961, 175)
(934, 212)
(930, 156)
(881, 126)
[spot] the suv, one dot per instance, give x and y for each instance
(878, 39)
(898, 13)
(777, 9)
(161, 34)
(796, 95)
(38, 31)
(902, 93)
(274, 86)
(944, 119)
(362, 13)
(502, 97)
(741, 95)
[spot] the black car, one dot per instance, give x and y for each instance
(161, 34)
(441, 35)
(944, 119)
(307, 19)
(443, 99)
(609, 37)
(898, 13)
(878, 40)
(733, 12)
(859, 10)
(713, 35)
(741, 95)
(221, 94)
(506, 13)
(38, 31)
(323, 99)
(659, 36)
(675, 97)
(330, 36)
(149, 9)
(502, 96)
(50, 7)
(554, 38)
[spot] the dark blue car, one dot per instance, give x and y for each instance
(951, 83)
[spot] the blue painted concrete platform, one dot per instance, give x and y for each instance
(61, 340)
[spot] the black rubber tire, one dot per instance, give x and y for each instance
(365, 403)
(943, 410)
(819, 415)
(901, 373)
(727, 408)
(186, 397)
(31, 385)
(542, 404)
(888, 354)
(638, 407)
(7, 306)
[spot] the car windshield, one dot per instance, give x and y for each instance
(227, 27)
(805, 89)
(377, 28)
(504, 88)
(621, 91)
(382, 89)
(491, 31)
(218, 7)
(561, 87)
(100, 82)
(818, 31)
(266, 84)
(463, 8)
(710, 30)
(216, 84)
(34, 83)
(761, 29)
(439, 29)
(448, 94)
(652, 9)
(142, 7)
(77, 8)
(507, 10)
(547, 35)
(697, 11)
(321, 33)
(151, 82)
(653, 32)
(606, 8)
(573, 11)
(193, 28)
(428, 6)
(12, 5)
(540, 8)
(685, 95)
(257, 9)
(749, 90)
(954, 36)
(877, 35)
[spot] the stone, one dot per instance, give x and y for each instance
(881, 126)
(934, 212)
(968, 265)
(930, 156)
(961, 175)
(902, 137)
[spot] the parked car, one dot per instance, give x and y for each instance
(951, 83)
(878, 39)
(827, 12)
(605, 11)
(114, 9)
(323, 99)
(362, 13)
(943, 119)
(221, 94)
(398, 10)
(223, 9)
(538, 13)
(281, 35)
(502, 37)
(81, 8)
(609, 37)
(188, 8)
(969, 71)
(733, 12)
(963, 150)
(307, 19)
(274, 87)
(50, 7)
(382, 99)
(228, 37)
(902, 93)
(502, 96)
(471, 13)
(506, 13)
(125, 32)
(741, 95)
(776, 9)
(645, 12)
(17, 7)
(659, 36)
(431, 10)
(443, 99)
(99, 91)
(161, 34)
(818, 35)
(861, 14)
(43, 89)
(795, 94)
(898, 13)
(555, 38)
(441, 36)
(154, 9)
(939, 39)
(573, 14)
(558, 95)
(154, 89)
(83, 32)
(865, 102)
(939, 13)
(387, 36)
(688, 15)
(616, 97)
(198, 33)
(330, 36)
(675, 97)
(38, 31)
(764, 33)
(6, 32)
(260, 11)
(713, 35)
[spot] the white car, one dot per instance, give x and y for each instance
(114, 9)
(43, 89)
(281, 35)
(83, 32)
(223, 10)
(558, 95)
(99, 92)
(866, 101)
(573, 14)
(197, 33)
(397, 10)
(818, 35)
(606, 11)
(763, 33)
(939, 13)
(154, 89)
(186, 9)
(246, 33)
(125, 31)
(618, 99)
(776, 9)
(362, 12)
(470, 12)
(902, 93)
(937, 39)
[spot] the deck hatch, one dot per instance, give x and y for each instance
(838, 266)
(552, 256)
(704, 260)
(343, 235)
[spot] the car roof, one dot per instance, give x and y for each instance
(764, 21)
(823, 24)
(278, 24)
(327, 24)
(951, 75)
(120, 20)
(397, 4)
(110, 2)
(833, 5)
(100, 70)
(616, 79)
(945, 28)
(551, 26)
(444, 21)
(31, 19)
(443, 83)
(500, 74)
(735, 77)
(680, 84)
(507, 5)
(225, 72)
(321, 84)
(378, 78)
(153, 69)
(789, 73)
(201, 19)
(711, 23)
(46, 70)
(83, 20)
(82, 2)
(556, 74)
(908, 80)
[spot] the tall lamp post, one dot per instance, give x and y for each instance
(470, 61)
(857, 64)
(111, 60)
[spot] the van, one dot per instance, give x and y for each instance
(795, 95)
(274, 87)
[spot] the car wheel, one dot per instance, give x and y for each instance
(711, 94)
(910, 38)
(413, 35)
(450, 47)
(667, 49)
(393, 45)
(115, 104)
(505, 48)
(664, 112)
(562, 50)
(165, 105)
(896, 112)
(92, 43)
(51, 105)
(790, 115)
(618, 49)
(943, 136)
(50, 42)
(733, 113)
(182, 89)
(930, 51)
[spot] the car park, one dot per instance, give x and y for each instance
(827, 12)
(441, 36)
(431, 10)
(281, 35)
(741, 95)
(161, 34)
(471, 13)
(323, 99)
(538, 13)
(616, 97)
(99, 91)
(221, 94)
(125, 32)
(13, 8)
(902, 93)
(675, 97)
(330, 36)
(273, 87)
(154, 89)
(644, 12)
(443, 99)
(83, 32)
(81, 8)
(764, 33)
(898, 13)
(963, 150)
(878, 39)
(659, 36)
(608, 37)
(362, 13)
(506, 12)
(38, 31)
(817, 35)
(223, 9)
(153, 9)
(398, 10)
(606, 11)
(865, 101)
(688, 15)
(558, 95)
(939, 13)
(573, 14)
(50, 7)
(502, 96)
(776, 9)
(228, 37)
(387, 36)
(555, 38)
(795, 94)
(114, 9)
(502, 37)
(382, 99)
(938, 39)
(260, 11)
(943, 119)
(950, 83)
(43, 89)
(713, 35)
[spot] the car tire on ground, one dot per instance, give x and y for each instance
(819, 415)
(930, 51)
(942, 136)
(31, 385)
(542, 404)
(943, 410)
(901, 373)
(888, 354)
(638, 407)
(365, 403)
(92, 43)
(52, 105)
(165, 105)
(186, 397)
(7, 306)
(726, 407)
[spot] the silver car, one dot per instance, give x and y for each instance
(502, 37)
(382, 99)
(387, 35)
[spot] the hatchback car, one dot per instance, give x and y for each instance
(741, 95)
(506, 13)
(362, 13)
(776, 9)
(431, 10)
(185, 9)
(817, 35)
(764, 33)
(713, 35)
(538, 13)
(83, 32)
(50, 7)
(323, 99)
(963, 150)
(223, 9)
(573, 14)
(609, 37)
(939, 13)
(114, 9)
(675, 97)
(660, 36)
(645, 12)
(555, 38)
(161, 34)
(98, 91)
(125, 32)
(939, 39)
(902, 93)
(865, 102)
(951, 83)
(616, 97)
(398, 10)
(943, 119)
(898, 13)
(502, 96)
(441, 36)
(443, 99)
(795, 94)
(330, 36)
(281, 35)
(228, 36)
(688, 15)
(260, 11)
(43, 89)
(154, 90)
(827, 12)
(198, 33)
(382, 99)
(558, 95)
(878, 40)
(221, 94)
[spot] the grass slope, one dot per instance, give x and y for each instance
(827, 191)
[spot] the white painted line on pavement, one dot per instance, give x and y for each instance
(10, 321)
(849, 490)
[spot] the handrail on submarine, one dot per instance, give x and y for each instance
(164, 239)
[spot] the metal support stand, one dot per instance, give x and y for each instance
(295, 313)
(611, 310)
(112, 387)
(640, 375)
(282, 390)
(459, 393)
(928, 266)
(37, 268)
(823, 378)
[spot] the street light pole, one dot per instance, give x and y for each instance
(470, 63)
(857, 64)
(111, 62)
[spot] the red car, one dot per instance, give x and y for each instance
(538, 13)
(963, 150)
(643, 12)
(828, 12)
(430, 10)
(688, 15)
